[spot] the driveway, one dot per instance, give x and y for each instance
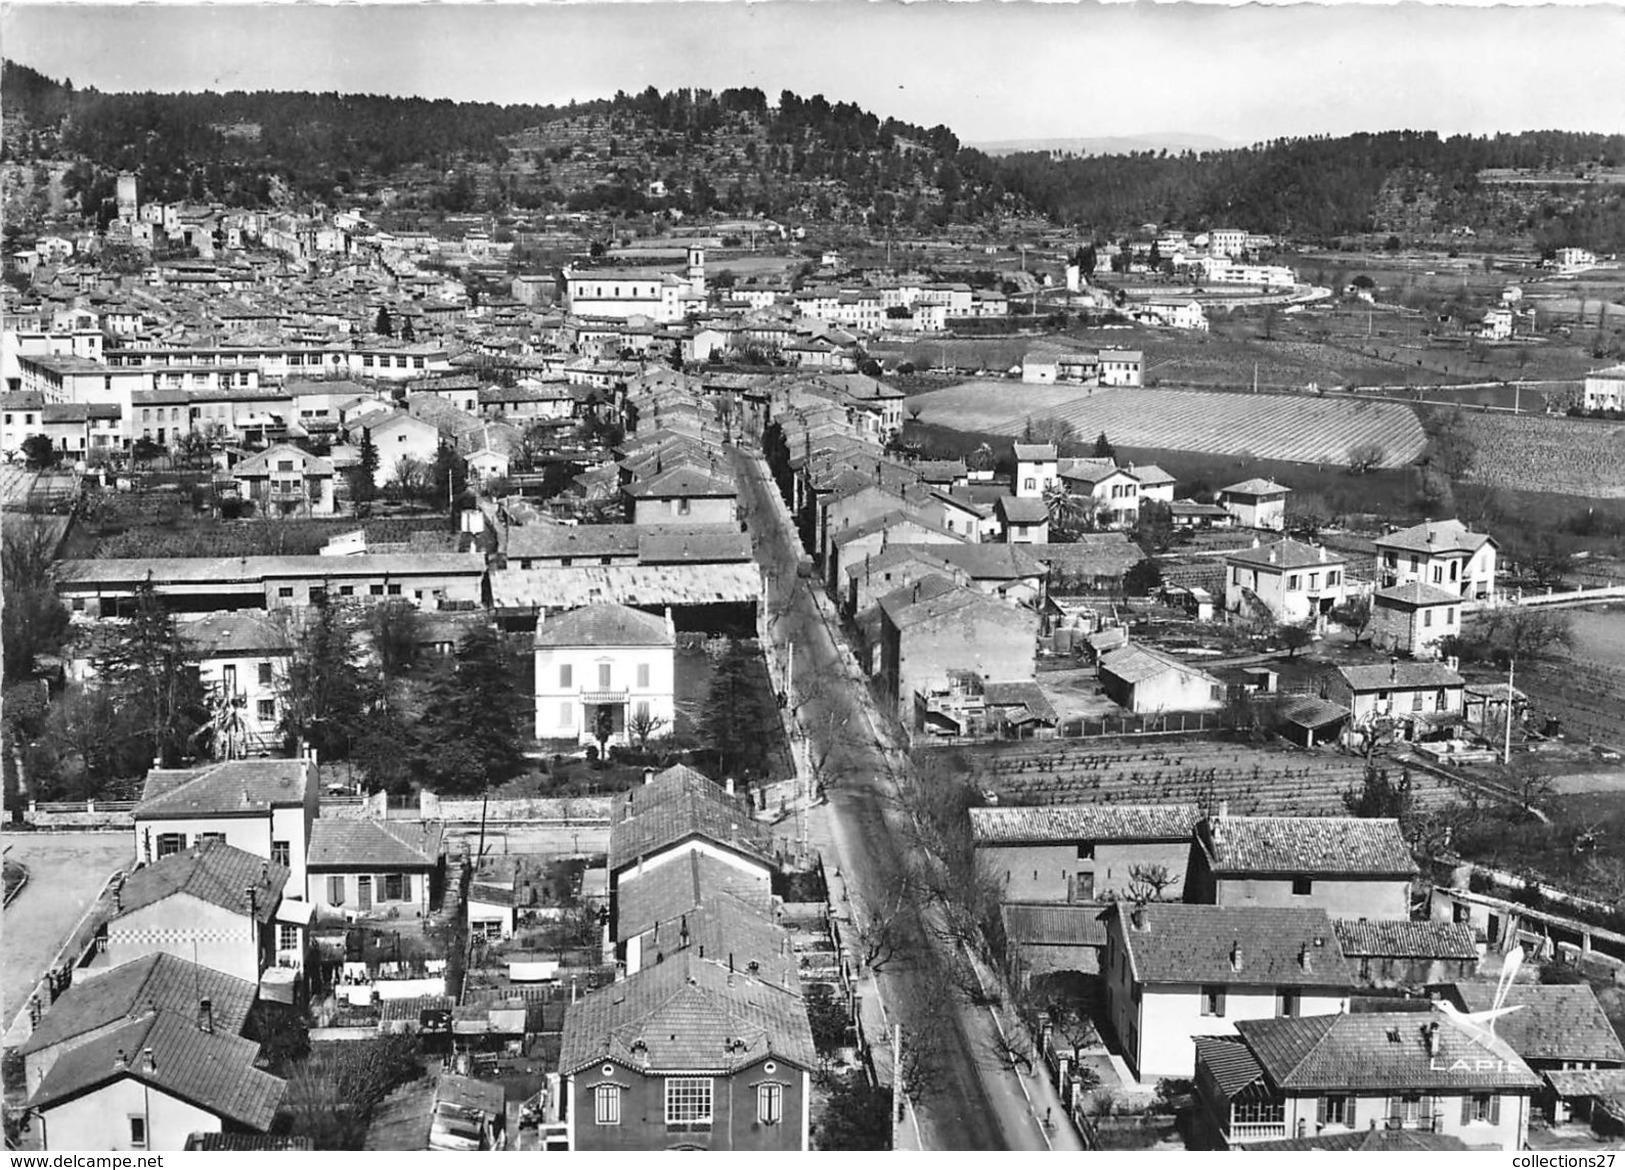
(65, 873)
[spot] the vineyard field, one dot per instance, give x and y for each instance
(1296, 429)
(1251, 781)
(1580, 457)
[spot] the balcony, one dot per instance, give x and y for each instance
(605, 698)
(1256, 1131)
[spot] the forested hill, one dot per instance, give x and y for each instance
(805, 158)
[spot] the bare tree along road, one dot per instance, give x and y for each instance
(971, 1099)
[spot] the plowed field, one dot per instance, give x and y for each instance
(1299, 429)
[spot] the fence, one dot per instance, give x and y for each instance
(80, 814)
(579, 810)
(1550, 597)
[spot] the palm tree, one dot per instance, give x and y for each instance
(1069, 513)
(982, 459)
(227, 728)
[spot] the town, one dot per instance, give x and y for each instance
(652, 636)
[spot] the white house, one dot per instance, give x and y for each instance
(625, 293)
(395, 437)
(1227, 242)
(1444, 553)
(1256, 503)
(1177, 314)
(150, 1083)
(1414, 692)
(1147, 681)
(1121, 367)
(263, 807)
(1115, 491)
(1497, 325)
(1035, 469)
(242, 659)
(285, 480)
(363, 867)
(1294, 581)
(1351, 1081)
(1173, 972)
(213, 905)
(605, 669)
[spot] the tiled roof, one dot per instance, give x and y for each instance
(1149, 474)
(682, 482)
(215, 873)
(687, 1015)
(211, 1070)
(647, 585)
(1182, 943)
(604, 625)
(1306, 845)
(248, 1142)
(1036, 452)
(1416, 593)
(1309, 711)
(1022, 510)
(991, 562)
(1255, 487)
(1587, 1082)
(723, 543)
(1074, 925)
(1434, 536)
(1382, 1051)
(1553, 1021)
(383, 845)
(1285, 554)
(1083, 822)
(232, 786)
(676, 888)
(675, 805)
(1368, 1141)
(160, 982)
(1391, 939)
(1230, 1061)
(261, 464)
(1400, 676)
(1136, 664)
(726, 929)
(898, 554)
(233, 632)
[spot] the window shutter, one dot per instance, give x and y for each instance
(1220, 1011)
(1495, 1109)
(1348, 1111)
(1393, 1111)
(1467, 1109)
(406, 887)
(1320, 1110)
(1424, 1112)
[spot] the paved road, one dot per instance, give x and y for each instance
(66, 871)
(978, 1104)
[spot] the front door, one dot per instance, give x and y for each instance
(363, 885)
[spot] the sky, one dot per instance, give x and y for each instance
(987, 69)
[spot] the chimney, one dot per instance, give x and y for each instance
(1322, 553)
(916, 593)
(1273, 554)
(728, 784)
(1430, 1037)
(1304, 960)
(205, 1015)
(148, 1064)
(1137, 918)
(648, 778)
(1224, 808)
(682, 936)
(1235, 955)
(120, 1060)
(1393, 670)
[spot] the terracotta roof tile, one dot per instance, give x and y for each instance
(215, 873)
(1305, 845)
(340, 844)
(1553, 1021)
(1083, 822)
(160, 982)
(1235, 945)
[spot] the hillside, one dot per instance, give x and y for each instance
(805, 159)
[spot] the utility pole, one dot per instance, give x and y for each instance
(898, 1098)
(1506, 752)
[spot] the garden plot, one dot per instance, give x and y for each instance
(1580, 457)
(1295, 429)
(1252, 781)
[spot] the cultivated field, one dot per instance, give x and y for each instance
(1253, 781)
(1296, 429)
(1576, 456)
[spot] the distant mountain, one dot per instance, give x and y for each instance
(1173, 142)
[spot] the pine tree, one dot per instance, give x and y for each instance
(1104, 448)
(364, 485)
(381, 324)
(325, 694)
(156, 691)
(474, 722)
